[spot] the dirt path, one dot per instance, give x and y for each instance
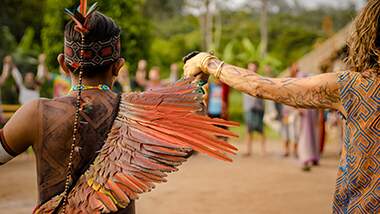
(251, 185)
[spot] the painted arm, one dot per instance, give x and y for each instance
(319, 92)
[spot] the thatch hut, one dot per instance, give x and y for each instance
(327, 56)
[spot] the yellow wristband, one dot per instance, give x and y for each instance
(219, 70)
(204, 62)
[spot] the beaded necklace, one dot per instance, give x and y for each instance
(102, 87)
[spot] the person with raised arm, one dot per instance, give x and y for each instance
(355, 93)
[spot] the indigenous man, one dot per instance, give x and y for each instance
(355, 93)
(118, 146)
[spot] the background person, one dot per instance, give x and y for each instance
(29, 87)
(215, 100)
(9, 89)
(254, 110)
(308, 144)
(122, 83)
(53, 84)
(139, 82)
(154, 79)
(174, 73)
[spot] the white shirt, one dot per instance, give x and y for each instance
(26, 94)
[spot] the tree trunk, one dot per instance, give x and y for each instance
(264, 27)
(207, 26)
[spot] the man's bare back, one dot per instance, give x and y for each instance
(48, 126)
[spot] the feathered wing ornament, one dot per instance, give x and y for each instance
(81, 16)
(151, 136)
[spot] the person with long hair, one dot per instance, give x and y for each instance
(96, 150)
(355, 93)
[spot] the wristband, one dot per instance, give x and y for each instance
(219, 70)
(6, 154)
(204, 62)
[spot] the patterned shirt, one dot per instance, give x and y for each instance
(358, 183)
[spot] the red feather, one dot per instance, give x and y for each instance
(83, 7)
(151, 136)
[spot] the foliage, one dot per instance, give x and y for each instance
(243, 52)
(26, 53)
(172, 41)
(7, 43)
(21, 14)
(127, 14)
(163, 31)
(135, 27)
(163, 9)
(52, 32)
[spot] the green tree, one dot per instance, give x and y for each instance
(172, 41)
(52, 32)
(163, 9)
(243, 52)
(8, 42)
(127, 13)
(21, 14)
(26, 53)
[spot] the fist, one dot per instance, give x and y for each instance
(8, 60)
(193, 66)
(42, 58)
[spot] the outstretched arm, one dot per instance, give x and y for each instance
(320, 91)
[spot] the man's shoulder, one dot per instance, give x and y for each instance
(56, 107)
(47, 101)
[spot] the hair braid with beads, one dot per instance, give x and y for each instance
(85, 27)
(75, 136)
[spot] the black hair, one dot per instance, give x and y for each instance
(100, 28)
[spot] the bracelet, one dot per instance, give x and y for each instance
(219, 70)
(204, 62)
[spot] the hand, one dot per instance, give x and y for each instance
(8, 60)
(42, 58)
(5, 74)
(193, 66)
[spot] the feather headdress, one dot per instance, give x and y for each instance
(80, 15)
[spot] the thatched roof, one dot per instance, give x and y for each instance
(313, 61)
